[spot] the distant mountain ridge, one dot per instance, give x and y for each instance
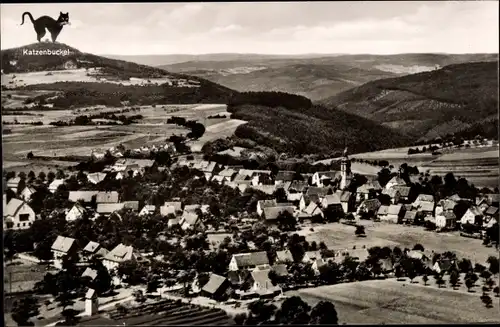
(315, 77)
(426, 105)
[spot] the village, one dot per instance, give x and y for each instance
(196, 231)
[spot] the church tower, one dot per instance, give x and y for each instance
(345, 170)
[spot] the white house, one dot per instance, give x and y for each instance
(248, 260)
(446, 220)
(261, 204)
(147, 210)
(170, 208)
(76, 212)
(96, 178)
(119, 254)
(62, 247)
(190, 220)
(12, 183)
(55, 184)
(395, 181)
(17, 214)
(472, 216)
(27, 193)
(261, 284)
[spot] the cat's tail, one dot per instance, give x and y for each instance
(29, 15)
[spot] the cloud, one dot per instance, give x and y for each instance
(227, 29)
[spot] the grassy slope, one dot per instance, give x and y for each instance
(313, 130)
(448, 100)
(94, 93)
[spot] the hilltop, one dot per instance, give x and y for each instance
(293, 124)
(460, 98)
(314, 76)
(87, 79)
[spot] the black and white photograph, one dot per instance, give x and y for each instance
(250, 163)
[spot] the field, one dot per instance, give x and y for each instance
(21, 275)
(393, 302)
(340, 236)
(479, 165)
(48, 140)
(69, 75)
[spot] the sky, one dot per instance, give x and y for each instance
(349, 27)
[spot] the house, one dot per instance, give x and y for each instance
(192, 208)
(190, 220)
(284, 176)
(298, 187)
(12, 183)
(321, 192)
(174, 222)
(317, 264)
(227, 174)
(90, 273)
(272, 213)
(382, 212)
(261, 284)
(248, 260)
(444, 266)
(445, 205)
(483, 205)
(119, 254)
(268, 189)
(365, 192)
(312, 210)
(446, 220)
(84, 196)
(393, 193)
(147, 210)
(280, 270)
(369, 206)
(332, 202)
(472, 216)
(27, 193)
(173, 208)
(347, 200)
(491, 212)
(298, 199)
(404, 192)
(96, 178)
(423, 198)
(107, 197)
(17, 214)
(322, 178)
(284, 256)
(237, 277)
(395, 181)
(76, 212)
(426, 208)
(55, 184)
(395, 214)
(62, 247)
(93, 248)
(410, 217)
(261, 204)
(217, 287)
(310, 256)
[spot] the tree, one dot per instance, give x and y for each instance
(494, 264)
(51, 176)
(469, 284)
(293, 311)
(465, 266)
(139, 296)
(485, 274)
(496, 290)
(280, 195)
(260, 312)
(487, 301)
(454, 278)
(324, 313)
(360, 231)
(398, 272)
(418, 247)
(425, 279)
(70, 317)
(24, 309)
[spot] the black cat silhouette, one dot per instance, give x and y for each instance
(49, 23)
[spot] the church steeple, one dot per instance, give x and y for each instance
(345, 170)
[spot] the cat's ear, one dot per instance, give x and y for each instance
(60, 13)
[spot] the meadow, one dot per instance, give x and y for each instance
(478, 164)
(341, 237)
(394, 302)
